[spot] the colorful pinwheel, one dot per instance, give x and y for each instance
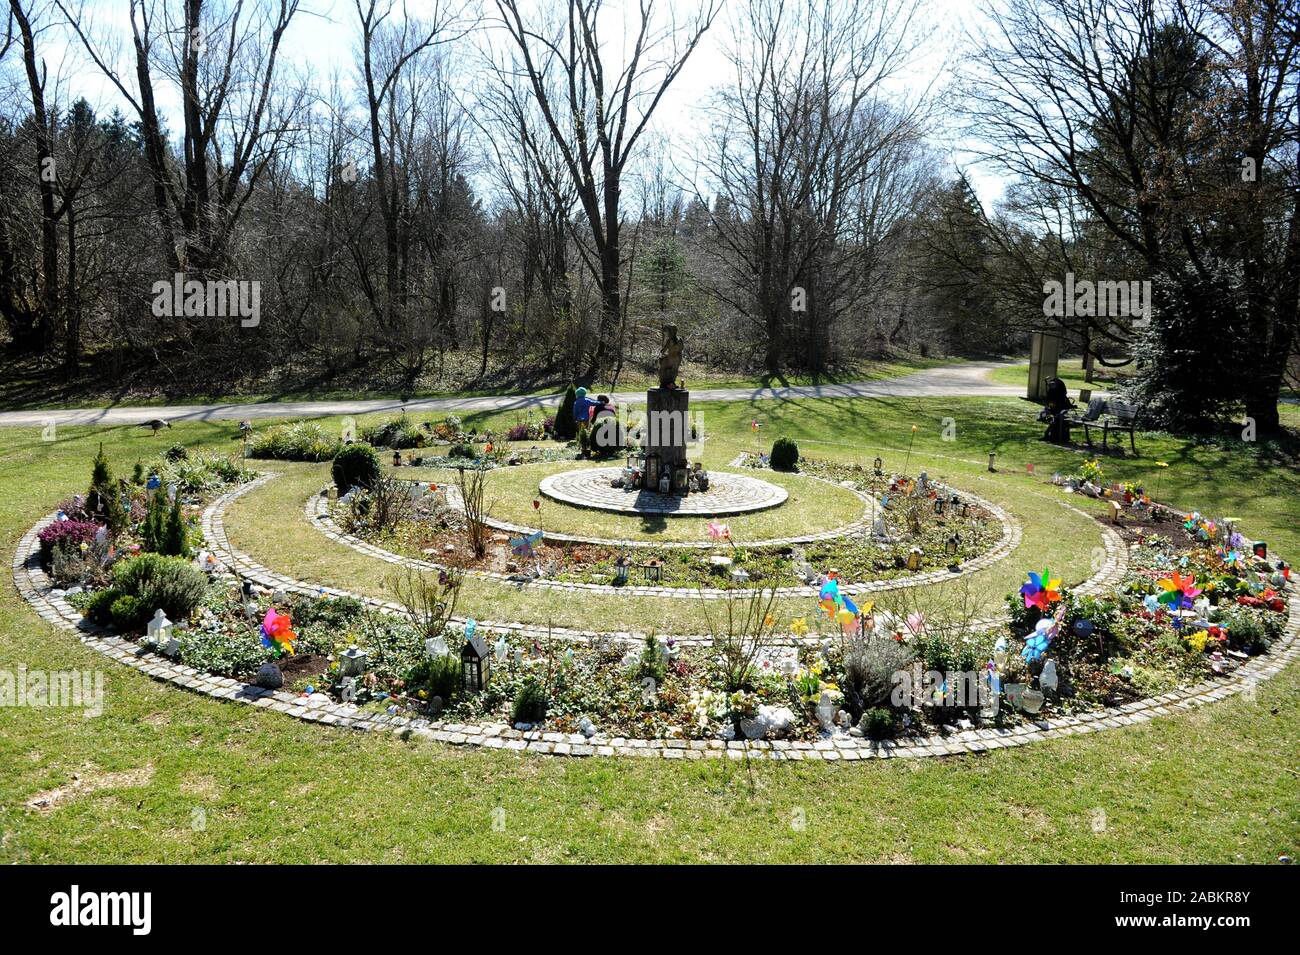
(1045, 632)
(526, 546)
(1041, 591)
(277, 632)
(1179, 591)
(719, 532)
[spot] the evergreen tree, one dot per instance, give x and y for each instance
(564, 424)
(175, 537)
(102, 499)
(151, 530)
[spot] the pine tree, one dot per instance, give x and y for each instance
(151, 530)
(102, 499)
(175, 538)
(564, 424)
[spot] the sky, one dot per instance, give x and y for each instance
(322, 36)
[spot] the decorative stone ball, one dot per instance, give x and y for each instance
(269, 677)
(1083, 627)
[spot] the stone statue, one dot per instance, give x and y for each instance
(670, 358)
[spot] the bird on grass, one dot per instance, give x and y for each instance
(157, 424)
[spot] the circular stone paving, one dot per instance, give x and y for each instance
(727, 494)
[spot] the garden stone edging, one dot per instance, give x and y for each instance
(35, 588)
(317, 513)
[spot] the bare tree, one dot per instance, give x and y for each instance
(806, 156)
(595, 112)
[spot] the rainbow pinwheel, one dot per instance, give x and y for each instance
(836, 606)
(1041, 591)
(1179, 591)
(277, 632)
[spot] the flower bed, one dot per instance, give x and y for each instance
(919, 537)
(916, 665)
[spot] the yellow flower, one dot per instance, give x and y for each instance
(799, 626)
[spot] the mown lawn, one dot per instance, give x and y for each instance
(164, 775)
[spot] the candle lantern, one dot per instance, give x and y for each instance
(681, 480)
(950, 547)
(1261, 549)
(938, 505)
(352, 662)
(475, 665)
(397, 459)
(914, 559)
(620, 569)
(652, 471)
(879, 466)
(992, 456)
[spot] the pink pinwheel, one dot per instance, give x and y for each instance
(719, 532)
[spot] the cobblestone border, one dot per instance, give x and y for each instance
(35, 588)
(317, 513)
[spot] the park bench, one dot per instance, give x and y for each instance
(1110, 416)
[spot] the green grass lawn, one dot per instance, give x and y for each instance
(1070, 370)
(812, 506)
(167, 776)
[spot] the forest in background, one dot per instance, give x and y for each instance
(489, 193)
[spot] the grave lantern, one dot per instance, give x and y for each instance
(620, 569)
(1261, 549)
(159, 629)
(950, 548)
(992, 456)
(681, 480)
(475, 665)
(652, 471)
(879, 466)
(352, 662)
(938, 505)
(914, 559)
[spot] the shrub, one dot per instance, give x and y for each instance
(653, 664)
(175, 538)
(221, 652)
(462, 449)
(301, 441)
(99, 607)
(437, 676)
(128, 613)
(177, 452)
(356, 465)
(72, 566)
(170, 583)
(565, 426)
(877, 723)
(396, 433)
(530, 704)
(869, 668)
(66, 535)
(785, 455)
(155, 520)
(102, 500)
(201, 472)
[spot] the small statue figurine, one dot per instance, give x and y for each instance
(670, 358)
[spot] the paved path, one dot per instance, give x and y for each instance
(969, 379)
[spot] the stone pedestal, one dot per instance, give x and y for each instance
(667, 429)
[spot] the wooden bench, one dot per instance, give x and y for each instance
(1110, 415)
